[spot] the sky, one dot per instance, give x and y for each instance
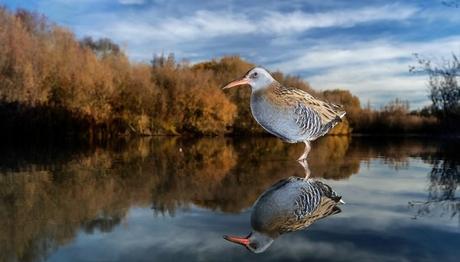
(363, 46)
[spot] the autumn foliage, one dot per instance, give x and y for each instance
(44, 67)
(53, 84)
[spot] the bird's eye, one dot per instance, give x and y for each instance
(254, 75)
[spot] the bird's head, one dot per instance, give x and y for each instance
(258, 78)
(255, 242)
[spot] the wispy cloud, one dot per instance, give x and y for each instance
(282, 23)
(204, 24)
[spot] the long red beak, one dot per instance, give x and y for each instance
(236, 83)
(239, 240)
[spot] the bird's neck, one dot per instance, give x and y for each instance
(273, 94)
(263, 240)
(268, 88)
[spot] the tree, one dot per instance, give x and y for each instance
(443, 84)
(101, 47)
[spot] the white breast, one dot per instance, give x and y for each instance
(277, 121)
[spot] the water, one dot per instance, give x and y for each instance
(171, 199)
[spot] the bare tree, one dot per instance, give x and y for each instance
(443, 83)
(102, 47)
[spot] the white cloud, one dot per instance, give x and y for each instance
(282, 23)
(202, 25)
(360, 52)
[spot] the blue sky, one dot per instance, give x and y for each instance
(363, 46)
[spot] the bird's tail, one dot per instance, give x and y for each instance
(339, 112)
(329, 192)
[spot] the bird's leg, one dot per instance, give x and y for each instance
(305, 152)
(304, 164)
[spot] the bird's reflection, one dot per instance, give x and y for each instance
(304, 164)
(289, 205)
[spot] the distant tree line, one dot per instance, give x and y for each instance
(55, 85)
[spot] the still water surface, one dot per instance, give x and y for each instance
(170, 199)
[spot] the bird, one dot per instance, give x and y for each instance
(289, 205)
(288, 113)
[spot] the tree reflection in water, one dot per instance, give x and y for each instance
(444, 179)
(47, 195)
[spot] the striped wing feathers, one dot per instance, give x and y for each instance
(327, 112)
(316, 201)
(294, 98)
